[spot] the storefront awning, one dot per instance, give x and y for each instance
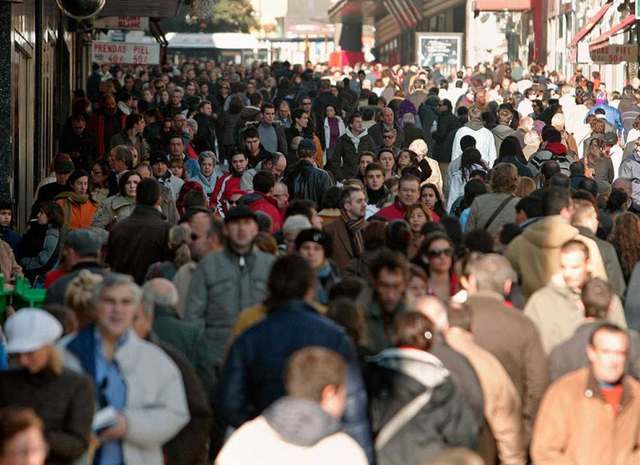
(590, 25)
(622, 26)
(501, 5)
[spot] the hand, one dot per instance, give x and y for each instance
(117, 431)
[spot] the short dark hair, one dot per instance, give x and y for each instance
(549, 169)
(409, 178)
(596, 297)
(577, 168)
(389, 260)
(609, 328)
(132, 120)
(263, 182)
(554, 200)
(353, 116)
(148, 192)
(374, 166)
(266, 106)
(467, 142)
(478, 240)
(291, 278)
(531, 206)
(251, 133)
(345, 195)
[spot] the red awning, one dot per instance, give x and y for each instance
(590, 25)
(623, 25)
(501, 5)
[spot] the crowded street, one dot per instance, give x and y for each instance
(348, 259)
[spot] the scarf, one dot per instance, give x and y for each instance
(556, 148)
(355, 139)
(355, 233)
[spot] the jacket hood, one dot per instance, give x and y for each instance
(422, 366)
(556, 148)
(475, 125)
(550, 232)
(300, 421)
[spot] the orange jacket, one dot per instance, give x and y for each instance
(81, 214)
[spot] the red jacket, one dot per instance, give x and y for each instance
(225, 185)
(395, 211)
(259, 202)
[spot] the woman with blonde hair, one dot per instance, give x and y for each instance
(79, 297)
(179, 241)
(62, 398)
(526, 186)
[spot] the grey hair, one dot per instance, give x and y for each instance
(152, 297)
(492, 271)
(193, 124)
(207, 154)
(116, 280)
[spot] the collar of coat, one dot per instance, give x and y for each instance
(592, 389)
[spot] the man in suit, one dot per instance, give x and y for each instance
(346, 231)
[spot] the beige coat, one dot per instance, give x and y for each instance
(8, 265)
(575, 426)
(535, 254)
(483, 208)
(502, 406)
(556, 311)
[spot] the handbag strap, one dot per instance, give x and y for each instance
(497, 211)
(401, 418)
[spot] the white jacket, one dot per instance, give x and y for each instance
(327, 131)
(485, 143)
(256, 442)
(156, 407)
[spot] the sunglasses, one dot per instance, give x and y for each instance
(434, 253)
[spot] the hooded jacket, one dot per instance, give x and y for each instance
(259, 202)
(292, 431)
(397, 376)
(500, 133)
(535, 254)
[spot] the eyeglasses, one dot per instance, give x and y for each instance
(434, 253)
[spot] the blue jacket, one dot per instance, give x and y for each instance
(252, 377)
(611, 114)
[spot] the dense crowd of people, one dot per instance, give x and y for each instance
(298, 264)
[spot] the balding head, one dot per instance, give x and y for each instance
(434, 309)
(158, 292)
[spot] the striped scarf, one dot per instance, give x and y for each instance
(355, 233)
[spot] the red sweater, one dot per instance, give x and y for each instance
(395, 211)
(259, 202)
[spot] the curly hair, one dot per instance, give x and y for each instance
(504, 178)
(79, 296)
(624, 238)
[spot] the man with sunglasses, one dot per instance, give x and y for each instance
(387, 123)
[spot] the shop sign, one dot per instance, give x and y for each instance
(125, 53)
(130, 23)
(612, 54)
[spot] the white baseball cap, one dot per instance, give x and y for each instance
(30, 329)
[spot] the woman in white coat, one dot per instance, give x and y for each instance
(333, 128)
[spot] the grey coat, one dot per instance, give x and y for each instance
(483, 207)
(112, 210)
(221, 286)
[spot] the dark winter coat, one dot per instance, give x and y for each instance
(253, 377)
(305, 181)
(64, 402)
(138, 241)
(395, 378)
